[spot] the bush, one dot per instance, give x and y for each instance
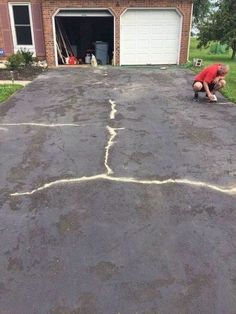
(217, 49)
(15, 61)
(27, 55)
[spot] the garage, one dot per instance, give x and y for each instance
(150, 36)
(134, 32)
(82, 32)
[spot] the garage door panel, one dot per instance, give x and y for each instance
(145, 29)
(158, 31)
(141, 46)
(167, 59)
(142, 37)
(168, 45)
(130, 45)
(134, 59)
(157, 44)
(150, 36)
(163, 37)
(129, 29)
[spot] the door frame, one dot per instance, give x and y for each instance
(81, 9)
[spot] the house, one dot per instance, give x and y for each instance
(135, 32)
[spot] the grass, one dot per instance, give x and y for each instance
(6, 90)
(230, 90)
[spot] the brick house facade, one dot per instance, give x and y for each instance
(42, 13)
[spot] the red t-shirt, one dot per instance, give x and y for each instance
(208, 74)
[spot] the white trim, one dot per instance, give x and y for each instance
(114, 39)
(71, 9)
(54, 38)
(84, 13)
(15, 45)
(190, 28)
(180, 35)
(157, 8)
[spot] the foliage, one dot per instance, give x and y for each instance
(6, 90)
(27, 55)
(20, 59)
(217, 48)
(201, 9)
(15, 61)
(208, 58)
(220, 26)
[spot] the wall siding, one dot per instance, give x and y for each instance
(5, 34)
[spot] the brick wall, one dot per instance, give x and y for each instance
(49, 8)
(5, 30)
(1, 35)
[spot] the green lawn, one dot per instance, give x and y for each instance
(6, 90)
(208, 58)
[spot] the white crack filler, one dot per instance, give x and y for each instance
(113, 109)
(107, 177)
(218, 188)
(113, 134)
(41, 124)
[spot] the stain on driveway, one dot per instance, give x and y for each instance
(117, 195)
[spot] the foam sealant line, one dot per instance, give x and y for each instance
(113, 134)
(106, 176)
(113, 109)
(41, 124)
(200, 184)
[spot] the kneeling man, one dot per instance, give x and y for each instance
(210, 80)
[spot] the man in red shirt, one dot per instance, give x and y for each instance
(210, 80)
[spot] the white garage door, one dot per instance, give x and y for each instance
(150, 37)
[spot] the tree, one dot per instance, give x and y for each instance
(200, 10)
(220, 26)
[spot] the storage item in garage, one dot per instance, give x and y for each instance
(101, 51)
(93, 61)
(72, 60)
(87, 58)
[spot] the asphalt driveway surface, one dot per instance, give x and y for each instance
(118, 195)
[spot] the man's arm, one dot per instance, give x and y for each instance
(206, 87)
(218, 78)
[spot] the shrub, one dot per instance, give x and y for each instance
(27, 55)
(35, 59)
(15, 61)
(217, 49)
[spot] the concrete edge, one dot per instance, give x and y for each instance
(23, 83)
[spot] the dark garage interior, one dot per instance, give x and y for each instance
(83, 36)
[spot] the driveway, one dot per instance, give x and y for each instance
(118, 195)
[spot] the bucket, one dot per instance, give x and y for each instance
(87, 59)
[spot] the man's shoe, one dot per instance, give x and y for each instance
(195, 98)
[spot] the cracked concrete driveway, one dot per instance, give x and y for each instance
(118, 195)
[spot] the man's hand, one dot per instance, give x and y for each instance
(211, 96)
